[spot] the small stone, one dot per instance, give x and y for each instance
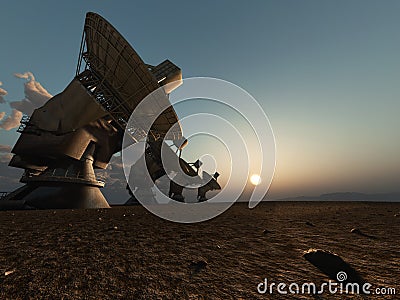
(197, 266)
(115, 227)
(310, 224)
(356, 231)
(9, 272)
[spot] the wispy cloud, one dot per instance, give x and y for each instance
(3, 92)
(5, 153)
(26, 75)
(5, 148)
(35, 94)
(12, 121)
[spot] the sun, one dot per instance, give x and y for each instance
(255, 179)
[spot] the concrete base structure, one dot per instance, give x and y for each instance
(65, 196)
(72, 186)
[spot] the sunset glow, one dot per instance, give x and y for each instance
(255, 179)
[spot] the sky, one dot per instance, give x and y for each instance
(326, 73)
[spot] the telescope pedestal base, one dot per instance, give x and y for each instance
(67, 196)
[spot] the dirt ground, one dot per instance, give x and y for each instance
(127, 253)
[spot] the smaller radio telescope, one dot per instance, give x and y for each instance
(80, 129)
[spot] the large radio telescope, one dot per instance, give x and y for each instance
(80, 129)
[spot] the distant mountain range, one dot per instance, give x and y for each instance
(347, 196)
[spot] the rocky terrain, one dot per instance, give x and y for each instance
(127, 253)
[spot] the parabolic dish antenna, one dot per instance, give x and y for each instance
(81, 128)
(119, 79)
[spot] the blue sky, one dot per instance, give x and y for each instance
(326, 72)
